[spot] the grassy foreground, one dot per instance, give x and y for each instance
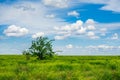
(16, 67)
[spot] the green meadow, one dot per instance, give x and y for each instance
(16, 67)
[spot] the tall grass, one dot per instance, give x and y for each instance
(16, 67)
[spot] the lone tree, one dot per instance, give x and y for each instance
(42, 48)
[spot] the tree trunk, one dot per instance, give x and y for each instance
(40, 56)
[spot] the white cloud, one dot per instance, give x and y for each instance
(56, 28)
(16, 31)
(103, 34)
(109, 26)
(50, 16)
(103, 47)
(82, 30)
(90, 22)
(70, 27)
(39, 34)
(66, 28)
(111, 5)
(103, 31)
(94, 1)
(114, 36)
(90, 27)
(78, 28)
(92, 35)
(77, 25)
(79, 22)
(56, 3)
(73, 13)
(62, 36)
(63, 32)
(59, 37)
(69, 46)
(32, 15)
(95, 37)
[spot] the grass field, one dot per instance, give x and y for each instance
(16, 67)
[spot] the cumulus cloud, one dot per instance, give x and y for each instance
(77, 25)
(92, 35)
(67, 30)
(70, 27)
(69, 46)
(73, 13)
(90, 27)
(78, 28)
(90, 22)
(82, 30)
(115, 36)
(73, 26)
(56, 3)
(16, 31)
(39, 34)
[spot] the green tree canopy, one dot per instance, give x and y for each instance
(42, 48)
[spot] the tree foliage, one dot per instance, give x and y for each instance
(42, 48)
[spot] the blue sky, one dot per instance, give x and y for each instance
(79, 27)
